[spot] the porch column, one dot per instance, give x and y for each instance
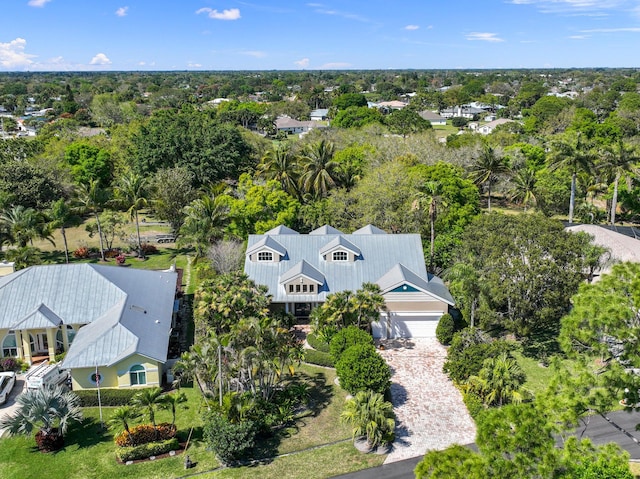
(26, 346)
(51, 342)
(19, 343)
(65, 338)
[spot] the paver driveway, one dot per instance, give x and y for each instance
(429, 410)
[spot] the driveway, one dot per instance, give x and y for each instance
(429, 410)
(10, 407)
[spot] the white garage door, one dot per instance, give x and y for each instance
(413, 326)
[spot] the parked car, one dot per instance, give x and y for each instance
(7, 381)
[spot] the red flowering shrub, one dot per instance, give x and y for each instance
(120, 259)
(82, 252)
(145, 433)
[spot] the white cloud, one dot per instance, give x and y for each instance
(12, 54)
(254, 53)
(38, 3)
(484, 37)
(230, 14)
(579, 37)
(122, 11)
(302, 63)
(335, 66)
(194, 65)
(100, 59)
(583, 7)
(411, 27)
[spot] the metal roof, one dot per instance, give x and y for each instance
(281, 230)
(379, 254)
(339, 243)
(269, 243)
(303, 269)
(326, 230)
(125, 310)
(369, 230)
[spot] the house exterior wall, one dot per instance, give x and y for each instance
(117, 376)
(418, 302)
(301, 282)
(328, 257)
(254, 256)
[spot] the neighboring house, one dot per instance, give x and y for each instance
(294, 127)
(391, 105)
(468, 112)
(321, 114)
(114, 319)
(300, 270)
(433, 118)
(488, 128)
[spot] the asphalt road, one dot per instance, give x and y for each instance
(618, 427)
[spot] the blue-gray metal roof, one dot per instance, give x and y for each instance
(379, 254)
(281, 230)
(303, 269)
(339, 243)
(369, 230)
(126, 311)
(269, 243)
(326, 230)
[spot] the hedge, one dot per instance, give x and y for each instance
(318, 357)
(108, 397)
(445, 329)
(316, 343)
(345, 338)
(146, 450)
(361, 368)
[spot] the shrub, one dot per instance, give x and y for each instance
(312, 356)
(9, 364)
(345, 338)
(143, 451)
(111, 253)
(361, 368)
(148, 248)
(82, 252)
(446, 329)
(108, 397)
(229, 441)
(145, 433)
(316, 343)
(474, 404)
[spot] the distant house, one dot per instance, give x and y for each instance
(433, 118)
(294, 127)
(301, 270)
(321, 114)
(117, 320)
(468, 112)
(487, 128)
(391, 105)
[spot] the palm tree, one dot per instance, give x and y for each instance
(131, 191)
(576, 155)
(618, 160)
(464, 282)
(317, 169)
(204, 223)
(499, 382)
(486, 168)
(171, 402)
(369, 415)
(524, 186)
(279, 164)
(122, 417)
(93, 198)
(62, 215)
(367, 303)
(432, 197)
(23, 225)
(149, 399)
(24, 256)
(51, 410)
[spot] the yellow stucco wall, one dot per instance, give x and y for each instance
(117, 376)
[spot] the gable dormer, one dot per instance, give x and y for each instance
(326, 230)
(340, 250)
(267, 250)
(302, 279)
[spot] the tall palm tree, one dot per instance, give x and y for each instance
(204, 222)
(431, 197)
(576, 155)
(149, 399)
(171, 402)
(62, 215)
(280, 164)
(618, 160)
(523, 188)
(93, 198)
(464, 283)
(24, 256)
(23, 225)
(369, 415)
(367, 303)
(317, 169)
(131, 191)
(486, 167)
(51, 410)
(122, 417)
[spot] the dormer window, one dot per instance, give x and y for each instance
(265, 256)
(340, 256)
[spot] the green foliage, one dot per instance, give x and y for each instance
(361, 368)
(320, 358)
(445, 329)
(108, 397)
(31, 186)
(346, 308)
(459, 122)
(316, 343)
(229, 441)
(347, 100)
(474, 404)
(144, 451)
(370, 415)
(356, 117)
(405, 122)
(455, 462)
(345, 338)
(88, 162)
(499, 381)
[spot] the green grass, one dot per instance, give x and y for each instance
(90, 451)
(538, 376)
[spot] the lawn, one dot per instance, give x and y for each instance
(90, 449)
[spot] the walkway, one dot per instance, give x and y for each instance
(429, 410)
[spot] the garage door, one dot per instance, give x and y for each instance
(413, 326)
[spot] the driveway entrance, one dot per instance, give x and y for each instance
(429, 410)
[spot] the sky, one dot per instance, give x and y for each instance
(125, 35)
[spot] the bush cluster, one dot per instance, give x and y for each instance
(230, 441)
(145, 433)
(148, 248)
(312, 356)
(82, 252)
(10, 364)
(345, 338)
(108, 397)
(446, 329)
(316, 343)
(144, 451)
(361, 368)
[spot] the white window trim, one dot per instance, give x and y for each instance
(340, 252)
(270, 260)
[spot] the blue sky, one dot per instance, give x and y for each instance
(89, 35)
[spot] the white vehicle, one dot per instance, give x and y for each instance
(7, 381)
(45, 374)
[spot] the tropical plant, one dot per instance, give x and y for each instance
(131, 192)
(93, 198)
(23, 257)
(171, 402)
(62, 215)
(486, 167)
(279, 164)
(23, 225)
(148, 399)
(370, 415)
(122, 417)
(618, 160)
(523, 189)
(499, 382)
(50, 410)
(431, 197)
(317, 169)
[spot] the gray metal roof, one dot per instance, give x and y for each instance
(400, 274)
(126, 310)
(269, 243)
(281, 230)
(339, 243)
(379, 254)
(303, 269)
(326, 230)
(369, 230)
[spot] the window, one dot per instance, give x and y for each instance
(297, 288)
(291, 288)
(265, 256)
(95, 377)
(137, 375)
(9, 346)
(311, 288)
(340, 256)
(304, 288)
(70, 335)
